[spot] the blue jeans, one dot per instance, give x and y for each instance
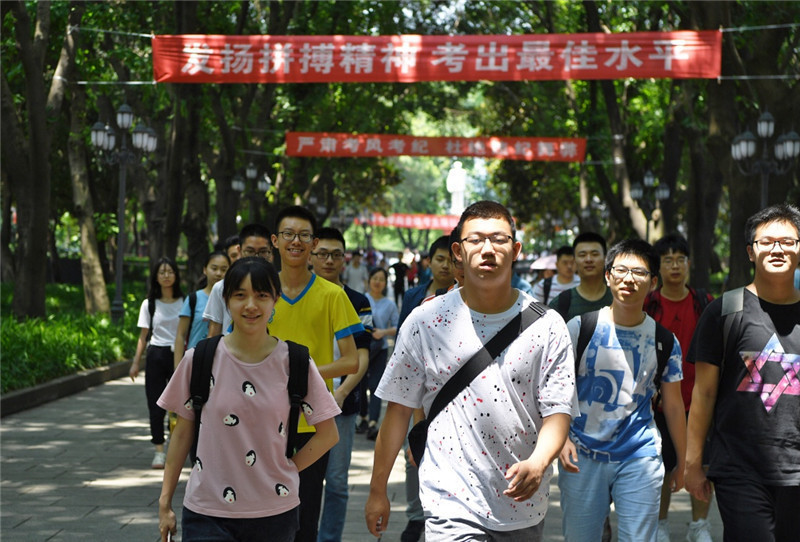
(635, 487)
(200, 528)
(334, 509)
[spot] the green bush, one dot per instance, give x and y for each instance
(67, 341)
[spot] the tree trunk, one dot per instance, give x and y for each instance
(95, 294)
(31, 185)
(6, 255)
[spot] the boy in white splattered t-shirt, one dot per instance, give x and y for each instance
(488, 456)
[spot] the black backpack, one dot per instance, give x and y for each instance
(200, 385)
(547, 284)
(665, 340)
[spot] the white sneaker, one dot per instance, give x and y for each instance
(699, 531)
(158, 460)
(663, 530)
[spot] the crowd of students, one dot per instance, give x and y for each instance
(601, 366)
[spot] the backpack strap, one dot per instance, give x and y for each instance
(546, 286)
(588, 323)
(732, 311)
(192, 307)
(200, 383)
(665, 341)
(298, 389)
(564, 301)
(151, 308)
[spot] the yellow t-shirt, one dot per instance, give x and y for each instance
(321, 314)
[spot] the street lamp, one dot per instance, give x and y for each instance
(644, 194)
(258, 190)
(786, 149)
(104, 138)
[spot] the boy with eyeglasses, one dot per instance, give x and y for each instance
(748, 386)
(488, 456)
(327, 260)
(254, 240)
(677, 306)
(314, 312)
(614, 448)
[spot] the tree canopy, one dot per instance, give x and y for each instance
(66, 65)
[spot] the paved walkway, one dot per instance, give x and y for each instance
(78, 469)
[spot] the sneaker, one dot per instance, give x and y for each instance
(362, 426)
(158, 460)
(413, 531)
(372, 432)
(663, 530)
(699, 531)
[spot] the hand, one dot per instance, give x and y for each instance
(376, 512)
(697, 484)
(677, 479)
(339, 396)
(134, 371)
(569, 457)
(378, 334)
(167, 523)
(525, 476)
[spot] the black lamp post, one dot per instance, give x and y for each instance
(647, 196)
(104, 138)
(786, 149)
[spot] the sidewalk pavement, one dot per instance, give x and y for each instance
(78, 468)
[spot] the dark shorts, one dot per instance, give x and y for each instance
(668, 448)
(200, 528)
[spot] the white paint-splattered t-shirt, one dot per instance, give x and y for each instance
(615, 387)
(494, 423)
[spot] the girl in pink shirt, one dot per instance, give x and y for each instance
(242, 484)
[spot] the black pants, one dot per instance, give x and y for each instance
(751, 511)
(311, 480)
(159, 366)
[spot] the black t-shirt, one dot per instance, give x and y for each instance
(756, 429)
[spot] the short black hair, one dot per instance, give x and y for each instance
(254, 230)
(296, 211)
(263, 276)
(332, 234)
(487, 209)
(634, 247)
(441, 243)
(672, 242)
(565, 250)
(454, 238)
(231, 241)
(589, 237)
(783, 212)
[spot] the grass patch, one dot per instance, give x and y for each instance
(67, 341)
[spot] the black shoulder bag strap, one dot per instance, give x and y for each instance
(200, 383)
(484, 357)
(298, 389)
(588, 324)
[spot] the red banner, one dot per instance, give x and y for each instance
(446, 223)
(326, 144)
(411, 58)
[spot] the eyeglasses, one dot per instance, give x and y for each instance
(669, 262)
(768, 243)
(496, 239)
(619, 272)
(262, 253)
(290, 236)
(324, 255)
(167, 273)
